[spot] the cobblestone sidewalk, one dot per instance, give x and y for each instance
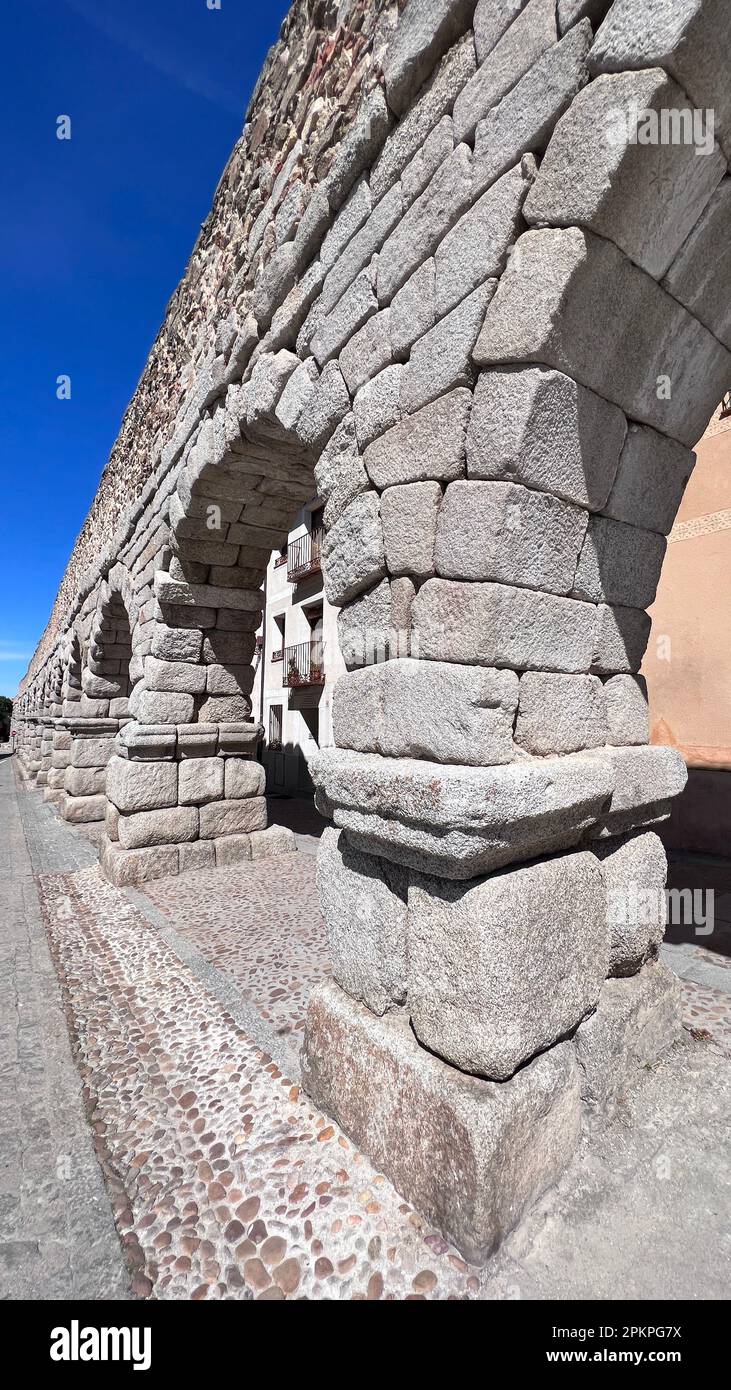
(185, 1011)
(57, 1236)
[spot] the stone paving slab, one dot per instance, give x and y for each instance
(57, 1235)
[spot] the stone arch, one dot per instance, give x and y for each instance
(492, 340)
(52, 708)
(102, 707)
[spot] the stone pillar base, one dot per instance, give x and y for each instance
(636, 1020)
(130, 866)
(470, 1154)
(79, 810)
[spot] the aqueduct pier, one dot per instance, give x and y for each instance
(449, 284)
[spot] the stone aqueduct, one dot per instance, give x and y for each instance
(447, 285)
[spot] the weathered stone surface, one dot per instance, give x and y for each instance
(239, 738)
(367, 352)
(352, 552)
(442, 359)
(621, 639)
(645, 781)
(653, 473)
(145, 742)
(435, 100)
(425, 223)
(560, 713)
(268, 380)
(232, 679)
(492, 18)
(628, 713)
(297, 394)
(532, 32)
(471, 1154)
(159, 707)
(428, 444)
(545, 308)
(358, 253)
(173, 592)
(703, 265)
(360, 146)
(141, 786)
(339, 472)
(364, 903)
(377, 406)
(498, 625)
(645, 194)
(225, 709)
(636, 1021)
(232, 817)
(144, 828)
(276, 839)
(82, 781)
(414, 709)
(357, 305)
(81, 810)
(231, 849)
(200, 780)
(175, 676)
(222, 647)
(328, 405)
(425, 30)
(195, 856)
(491, 980)
(123, 866)
(354, 212)
(244, 777)
(535, 426)
(510, 534)
(571, 11)
(634, 869)
(413, 309)
(197, 740)
(100, 687)
(91, 752)
(459, 822)
(477, 248)
(409, 516)
(689, 38)
(523, 121)
(437, 147)
(364, 626)
(619, 564)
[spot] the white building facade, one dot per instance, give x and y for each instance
(298, 659)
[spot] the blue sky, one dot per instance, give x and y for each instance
(95, 235)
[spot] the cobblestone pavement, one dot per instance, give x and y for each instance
(227, 1183)
(57, 1236)
(260, 923)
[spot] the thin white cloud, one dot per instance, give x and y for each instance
(166, 63)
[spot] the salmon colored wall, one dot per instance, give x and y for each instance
(688, 660)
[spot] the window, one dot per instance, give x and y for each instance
(278, 637)
(275, 726)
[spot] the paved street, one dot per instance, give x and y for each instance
(57, 1235)
(184, 1005)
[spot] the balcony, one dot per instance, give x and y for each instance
(304, 664)
(303, 556)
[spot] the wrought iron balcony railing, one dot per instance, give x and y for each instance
(304, 664)
(303, 556)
